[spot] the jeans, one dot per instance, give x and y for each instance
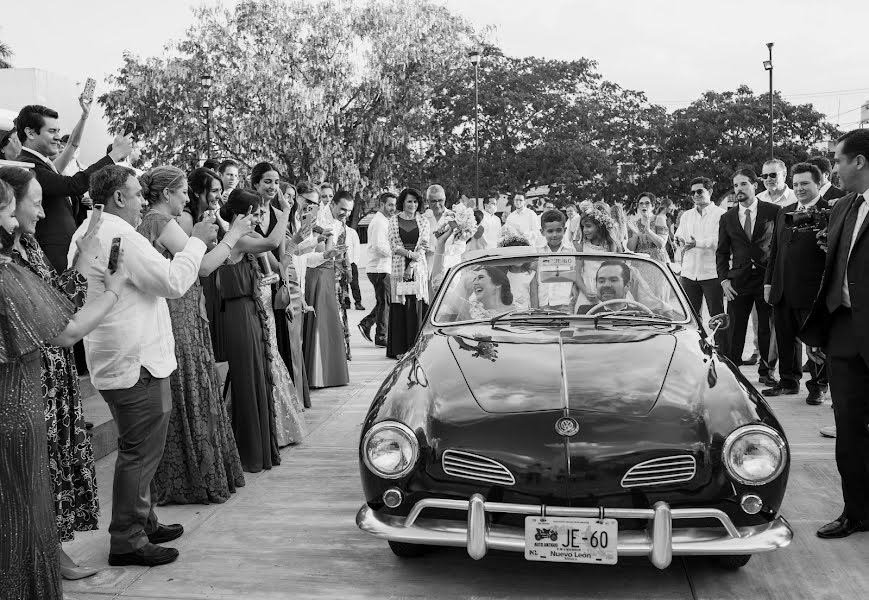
(711, 290)
(379, 315)
(354, 284)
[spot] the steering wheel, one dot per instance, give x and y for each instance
(634, 303)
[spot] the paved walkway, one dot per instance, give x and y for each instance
(290, 532)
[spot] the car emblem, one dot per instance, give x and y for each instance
(566, 426)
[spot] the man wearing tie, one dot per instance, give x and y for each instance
(744, 241)
(836, 331)
(792, 282)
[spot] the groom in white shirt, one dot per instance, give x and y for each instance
(131, 355)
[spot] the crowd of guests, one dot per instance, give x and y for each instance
(164, 274)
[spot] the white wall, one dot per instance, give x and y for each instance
(20, 87)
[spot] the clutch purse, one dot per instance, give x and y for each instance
(281, 300)
(406, 287)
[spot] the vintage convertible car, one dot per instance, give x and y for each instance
(575, 393)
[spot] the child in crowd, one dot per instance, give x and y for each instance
(551, 289)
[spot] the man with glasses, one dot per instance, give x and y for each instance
(698, 236)
(777, 190)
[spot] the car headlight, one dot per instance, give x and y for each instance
(754, 454)
(390, 449)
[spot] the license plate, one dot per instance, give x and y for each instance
(565, 539)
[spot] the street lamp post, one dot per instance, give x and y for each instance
(767, 64)
(474, 57)
(206, 81)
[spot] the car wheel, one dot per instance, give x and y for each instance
(733, 561)
(403, 550)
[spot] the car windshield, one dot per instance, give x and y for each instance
(547, 286)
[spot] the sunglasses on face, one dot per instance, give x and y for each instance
(697, 192)
(769, 175)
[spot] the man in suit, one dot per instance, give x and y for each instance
(792, 282)
(836, 331)
(744, 241)
(39, 132)
(829, 192)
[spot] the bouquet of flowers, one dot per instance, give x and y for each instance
(463, 222)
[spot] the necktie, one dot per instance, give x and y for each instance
(840, 267)
(747, 224)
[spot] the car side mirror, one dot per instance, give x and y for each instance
(719, 323)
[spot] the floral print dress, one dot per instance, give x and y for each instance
(70, 456)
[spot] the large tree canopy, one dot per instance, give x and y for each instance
(334, 89)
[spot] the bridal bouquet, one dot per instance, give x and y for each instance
(463, 221)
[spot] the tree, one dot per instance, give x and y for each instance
(5, 55)
(543, 122)
(331, 90)
(723, 131)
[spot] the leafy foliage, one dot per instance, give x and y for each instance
(5, 55)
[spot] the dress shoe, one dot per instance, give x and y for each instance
(842, 527)
(752, 360)
(365, 329)
(359, 306)
(76, 572)
(768, 380)
(828, 431)
(781, 390)
(816, 397)
(149, 555)
(381, 343)
(166, 533)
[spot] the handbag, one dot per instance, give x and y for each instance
(281, 300)
(407, 287)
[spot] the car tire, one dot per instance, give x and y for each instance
(403, 550)
(733, 561)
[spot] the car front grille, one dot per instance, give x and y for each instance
(473, 466)
(661, 471)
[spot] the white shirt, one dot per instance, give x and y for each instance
(352, 246)
(379, 250)
(824, 188)
(861, 216)
(803, 207)
(525, 222)
(751, 209)
(556, 293)
(491, 229)
(698, 263)
(137, 332)
(786, 199)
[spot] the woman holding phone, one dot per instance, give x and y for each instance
(37, 319)
(200, 463)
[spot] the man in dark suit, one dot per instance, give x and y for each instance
(829, 192)
(744, 241)
(836, 331)
(39, 132)
(792, 282)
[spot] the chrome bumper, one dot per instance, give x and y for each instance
(660, 542)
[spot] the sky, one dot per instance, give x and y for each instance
(673, 50)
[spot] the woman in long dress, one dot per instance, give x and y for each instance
(33, 315)
(70, 456)
(323, 333)
(200, 462)
(243, 320)
(289, 422)
(409, 235)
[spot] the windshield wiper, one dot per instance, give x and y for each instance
(525, 311)
(631, 316)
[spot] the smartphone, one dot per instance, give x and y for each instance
(114, 254)
(95, 216)
(129, 127)
(89, 87)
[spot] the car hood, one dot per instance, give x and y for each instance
(610, 372)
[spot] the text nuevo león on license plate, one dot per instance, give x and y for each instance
(567, 539)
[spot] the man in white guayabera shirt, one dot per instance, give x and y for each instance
(131, 355)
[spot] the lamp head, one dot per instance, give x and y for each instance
(767, 65)
(206, 80)
(474, 57)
